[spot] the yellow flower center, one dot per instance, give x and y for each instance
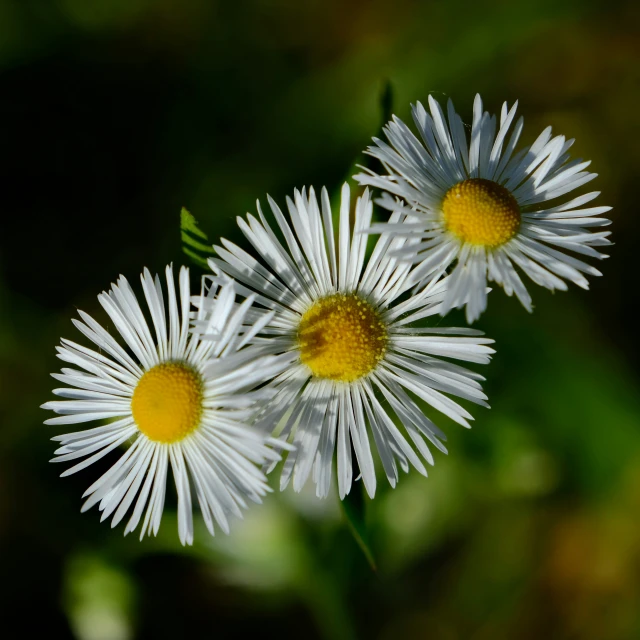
(481, 212)
(341, 337)
(167, 402)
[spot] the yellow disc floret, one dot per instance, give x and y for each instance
(342, 337)
(167, 402)
(481, 212)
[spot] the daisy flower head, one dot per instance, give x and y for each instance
(484, 208)
(358, 366)
(174, 399)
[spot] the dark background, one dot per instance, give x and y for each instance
(114, 114)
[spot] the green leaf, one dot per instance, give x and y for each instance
(386, 106)
(386, 102)
(191, 236)
(354, 509)
(364, 160)
(386, 112)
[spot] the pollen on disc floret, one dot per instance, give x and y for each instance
(342, 337)
(167, 402)
(481, 212)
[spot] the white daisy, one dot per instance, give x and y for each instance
(357, 359)
(174, 398)
(485, 207)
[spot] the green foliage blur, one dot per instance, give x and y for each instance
(114, 114)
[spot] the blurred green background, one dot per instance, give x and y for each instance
(114, 114)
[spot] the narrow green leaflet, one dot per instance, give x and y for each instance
(386, 112)
(191, 236)
(363, 160)
(354, 509)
